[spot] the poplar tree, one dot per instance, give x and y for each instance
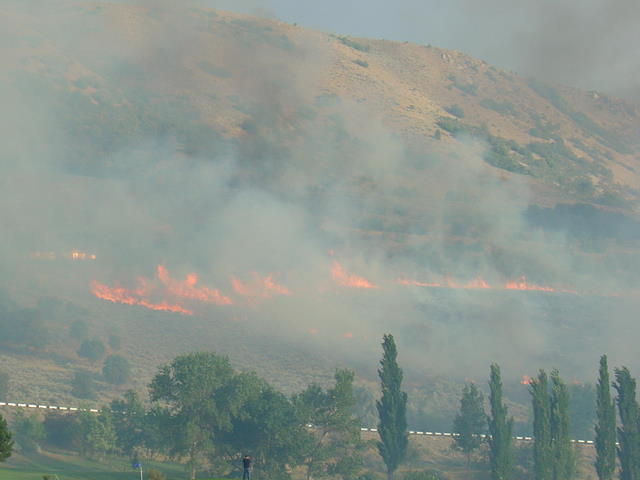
(539, 390)
(469, 423)
(562, 451)
(6, 444)
(605, 441)
(628, 434)
(500, 430)
(392, 409)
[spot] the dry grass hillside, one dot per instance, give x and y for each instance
(124, 70)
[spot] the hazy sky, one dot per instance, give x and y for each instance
(586, 43)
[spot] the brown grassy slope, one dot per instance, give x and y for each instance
(234, 68)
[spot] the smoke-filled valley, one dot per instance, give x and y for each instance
(190, 179)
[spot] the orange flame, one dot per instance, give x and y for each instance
(522, 284)
(342, 278)
(188, 289)
(259, 287)
(415, 283)
(124, 296)
(526, 380)
(477, 283)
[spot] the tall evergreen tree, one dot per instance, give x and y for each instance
(606, 426)
(392, 409)
(6, 444)
(561, 448)
(500, 430)
(628, 433)
(470, 422)
(539, 390)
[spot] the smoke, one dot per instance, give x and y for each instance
(283, 172)
(587, 45)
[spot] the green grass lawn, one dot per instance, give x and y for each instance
(71, 467)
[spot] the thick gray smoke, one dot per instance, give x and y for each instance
(302, 173)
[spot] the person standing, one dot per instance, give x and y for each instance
(246, 467)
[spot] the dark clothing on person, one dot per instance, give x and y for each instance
(246, 463)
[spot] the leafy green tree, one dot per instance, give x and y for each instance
(606, 426)
(269, 427)
(500, 430)
(334, 446)
(116, 369)
(562, 451)
(82, 385)
(628, 432)
(6, 444)
(129, 422)
(542, 448)
(202, 394)
(470, 422)
(29, 431)
(98, 437)
(92, 350)
(392, 409)
(62, 430)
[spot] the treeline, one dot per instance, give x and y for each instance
(207, 415)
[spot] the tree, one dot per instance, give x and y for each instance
(29, 431)
(562, 451)
(202, 394)
(91, 349)
(129, 422)
(116, 370)
(500, 430)
(606, 426)
(97, 434)
(269, 427)
(628, 433)
(542, 449)
(470, 422)
(6, 444)
(333, 448)
(82, 385)
(392, 409)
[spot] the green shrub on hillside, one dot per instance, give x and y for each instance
(91, 349)
(116, 370)
(353, 44)
(455, 110)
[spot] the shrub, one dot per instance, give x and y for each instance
(116, 370)
(455, 110)
(154, 474)
(362, 63)
(91, 349)
(353, 44)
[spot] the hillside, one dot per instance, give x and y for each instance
(331, 188)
